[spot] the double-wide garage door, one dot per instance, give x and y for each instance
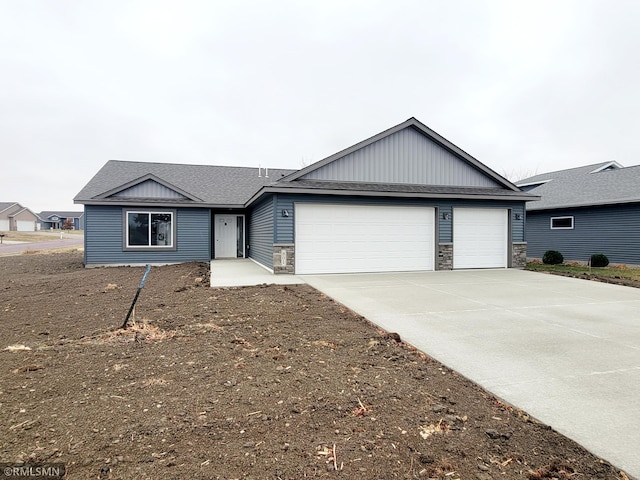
(356, 238)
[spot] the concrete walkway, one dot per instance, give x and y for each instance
(565, 350)
(243, 272)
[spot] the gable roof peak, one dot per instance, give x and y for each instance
(422, 129)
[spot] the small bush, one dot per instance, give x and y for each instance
(552, 257)
(599, 260)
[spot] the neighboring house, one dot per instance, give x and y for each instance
(586, 210)
(16, 218)
(405, 199)
(55, 220)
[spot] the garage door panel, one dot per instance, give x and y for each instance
(25, 226)
(345, 238)
(480, 238)
(4, 225)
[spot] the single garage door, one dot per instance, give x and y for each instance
(25, 226)
(4, 225)
(350, 238)
(480, 237)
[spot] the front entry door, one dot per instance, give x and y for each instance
(226, 236)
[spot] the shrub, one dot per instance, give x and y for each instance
(599, 260)
(552, 257)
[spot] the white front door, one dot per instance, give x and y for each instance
(225, 231)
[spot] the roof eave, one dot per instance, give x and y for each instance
(154, 204)
(369, 193)
(537, 208)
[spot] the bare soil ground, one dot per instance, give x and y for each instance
(267, 382)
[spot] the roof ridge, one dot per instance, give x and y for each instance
(594, 165)
(204, 165)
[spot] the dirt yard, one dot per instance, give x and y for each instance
(267, 382)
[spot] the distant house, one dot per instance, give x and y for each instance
(585, 210)
(404, 199)
(16, 218)
(55, 219)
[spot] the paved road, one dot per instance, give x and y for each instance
(18, 248)
(565, 350)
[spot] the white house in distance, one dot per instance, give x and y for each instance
(16, 218)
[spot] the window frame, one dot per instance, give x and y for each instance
(149, 247)
(571, 217)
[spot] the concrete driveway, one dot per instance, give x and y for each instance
(565, 350)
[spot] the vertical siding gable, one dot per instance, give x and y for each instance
(407, 157)
(149, 189)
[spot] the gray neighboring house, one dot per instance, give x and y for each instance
(16, 218)
(586, 210)
(405, 199)
(51, 219)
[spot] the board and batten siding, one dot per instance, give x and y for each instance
(104, 237)
(261, 233)
(285, 225)
(612, 230)
(404, 157)
(149, 189)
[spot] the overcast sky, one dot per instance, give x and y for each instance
(523, 86)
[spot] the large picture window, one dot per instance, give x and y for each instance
(561, 223)
(149, 229)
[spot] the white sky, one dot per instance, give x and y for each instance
(523, 86)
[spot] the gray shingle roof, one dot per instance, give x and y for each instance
(579, 187)
(5, 205)
(214, 185)
(47, 213)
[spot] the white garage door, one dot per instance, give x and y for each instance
(4, 225)
(480, 237)
(25, 226)
(350, 239)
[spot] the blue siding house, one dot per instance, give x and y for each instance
(404, 199)
(586, 210)
(56, 219)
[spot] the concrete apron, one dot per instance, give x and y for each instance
(565, 350)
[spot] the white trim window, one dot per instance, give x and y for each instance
(149, 229)
(562, 223)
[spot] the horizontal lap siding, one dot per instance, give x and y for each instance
(104, 238)
(614, 231)
(285, 230)
(261, 233)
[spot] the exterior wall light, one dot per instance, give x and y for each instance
(518, 216)
(285, 213)
(446, 216)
